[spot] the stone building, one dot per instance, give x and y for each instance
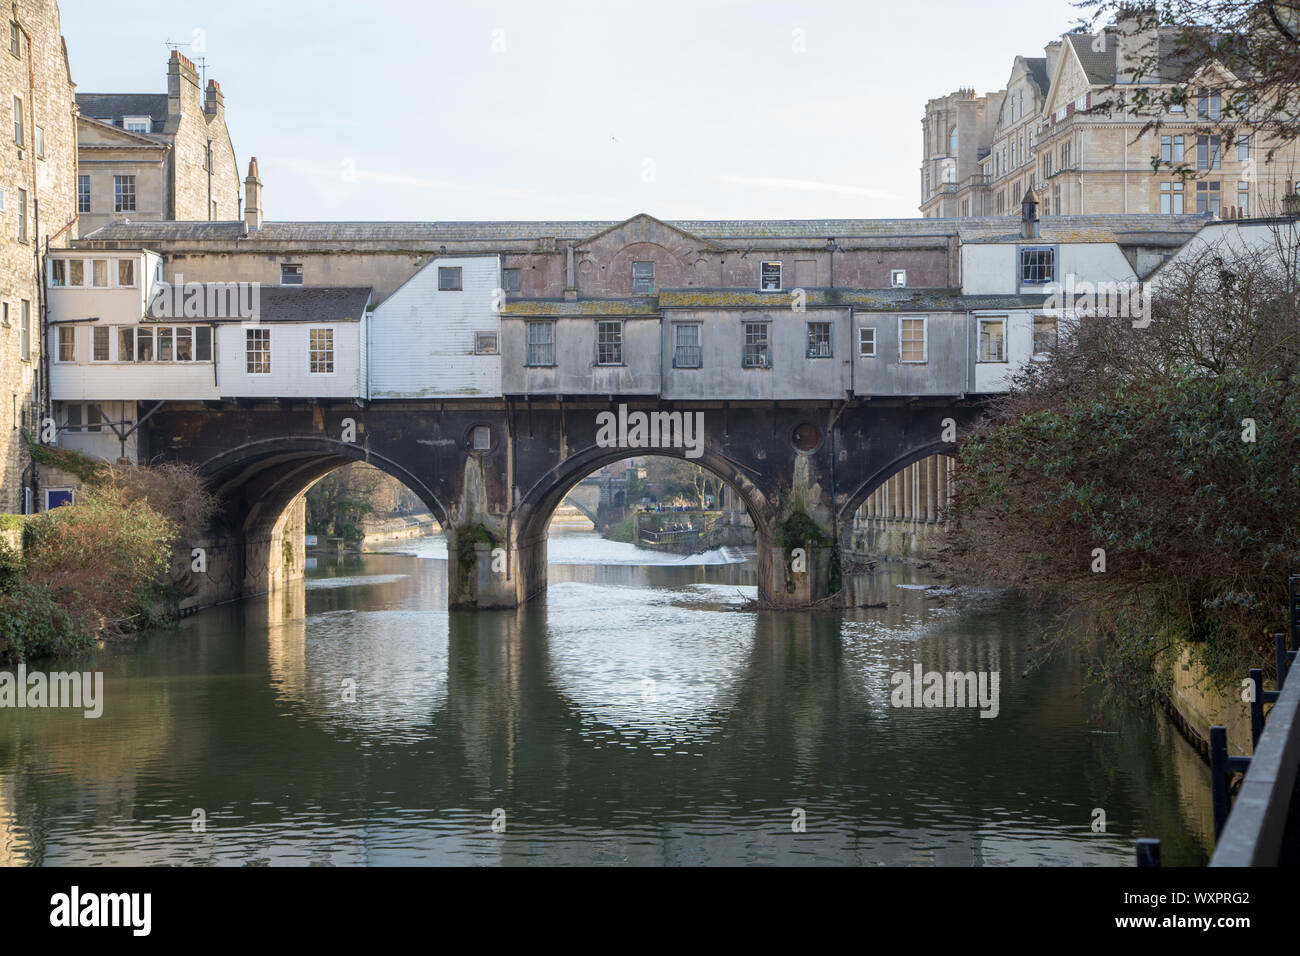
(38, 171)
(1052, 131)
(156, 156)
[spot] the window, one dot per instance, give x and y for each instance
(757, 348)
(138, 124)
(1243, 149)
(290, 273)
(1209, 152)
(99, 273)
(257, 346)
(898, 278)
(144, 345)
(203, 344)
(126, 273)
(1037, 265)
(1172, 149)
(18, 120)
(1171, 198)
(1209, 105)
(83, 194)
(77, 272)
(510, 280)
(93, 419)
(4, 314)
(643, 278)
(480, 438)
(952, 142)
(125, 344)
(867, 342)
(40, 143)
(25, 331)
(124, 194)
(15, 39)
(686, 345)
(819, 340)
(485, 343)
(609, 343)
(164, 338)
(1243, 200)
(72, 418)
(184, 345)
(541, 343)
(911, 339)
(22, 215)
(58, 272)
(320, 349)
(58, 497)
(993, 340)
(770, 277)
(449, 279)
(67, 343)
(1207, 198)
(1044, 335)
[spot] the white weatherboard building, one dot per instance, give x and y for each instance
(439, 334)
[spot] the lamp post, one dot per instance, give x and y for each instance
(1286, 17)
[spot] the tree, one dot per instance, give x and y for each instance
(1149, 476)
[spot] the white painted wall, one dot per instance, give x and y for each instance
(83, 380)
(422, 340)
(988, 268)
(112, 303)
(290, 375)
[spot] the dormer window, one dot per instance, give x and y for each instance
(137, 124)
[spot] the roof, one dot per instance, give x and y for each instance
(289, 303)
(752, 231)
(115, 106)
(1099, 65)
(1038, 71)
(1176, 58)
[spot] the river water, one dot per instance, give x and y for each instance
(639, 712)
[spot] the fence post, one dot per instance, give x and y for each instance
(1219, 777)
(1148, 852)
(1256, 706)
(1283, 660)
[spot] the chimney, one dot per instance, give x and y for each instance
(213, 101)
(1029, 216)
(252, 198)
(182, 83)
(1053, 53)
(1137, 45)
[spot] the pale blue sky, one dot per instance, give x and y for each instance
(698, 109)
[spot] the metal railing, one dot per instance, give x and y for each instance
(1255, 829)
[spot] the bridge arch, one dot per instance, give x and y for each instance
(257, 481)
(868, 486)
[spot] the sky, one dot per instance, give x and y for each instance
(468, 110)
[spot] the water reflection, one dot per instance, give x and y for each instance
(635, 714)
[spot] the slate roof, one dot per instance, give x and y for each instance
(303, 304)
(423, 234)
(115, 106)
(1038, 71)
(1177, 60)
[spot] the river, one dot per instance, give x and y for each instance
(639, 712)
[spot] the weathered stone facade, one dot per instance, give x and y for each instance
(175, 145)
(1051, 132)
(38, 175)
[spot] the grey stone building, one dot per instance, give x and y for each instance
(156, 156)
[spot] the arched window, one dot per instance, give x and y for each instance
(952, 142)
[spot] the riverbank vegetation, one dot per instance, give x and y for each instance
(1150, 476)
(104, 566)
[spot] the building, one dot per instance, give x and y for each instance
(1053, 131)
(156, 156)
(37, 205)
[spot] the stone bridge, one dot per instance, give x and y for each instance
(493, 471)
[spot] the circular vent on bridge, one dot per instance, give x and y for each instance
(807, 437)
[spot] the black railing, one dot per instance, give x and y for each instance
(1254, 830)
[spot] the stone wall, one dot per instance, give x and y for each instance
(39, 76)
